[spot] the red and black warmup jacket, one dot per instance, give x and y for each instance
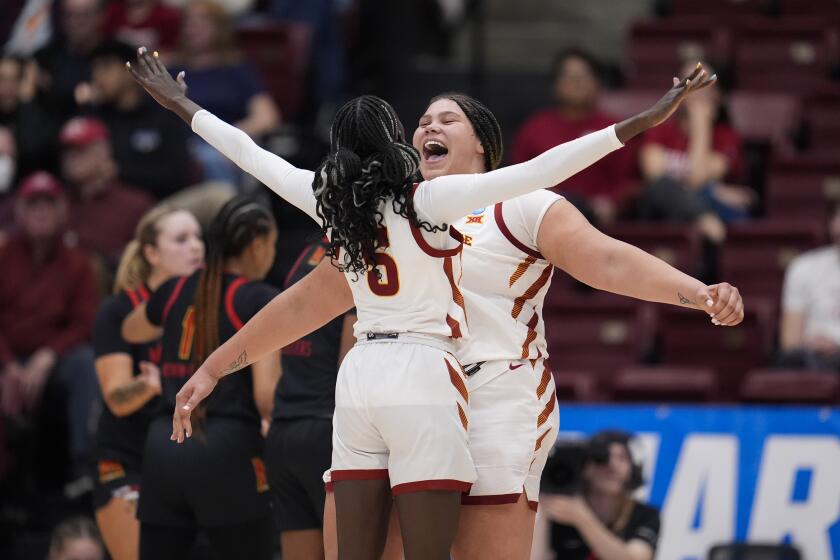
(171, 307)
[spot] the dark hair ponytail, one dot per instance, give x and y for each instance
(237, 224)
(370, 163)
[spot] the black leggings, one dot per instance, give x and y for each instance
(253, 540)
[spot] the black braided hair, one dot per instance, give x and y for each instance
(369, 164)
(484, 124)
(241, 220)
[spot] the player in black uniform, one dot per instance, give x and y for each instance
(299, 444)
(216, 482)
(167, 243)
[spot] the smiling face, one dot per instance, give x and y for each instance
(447, 142)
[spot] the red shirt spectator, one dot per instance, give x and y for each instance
(103, 211)
(606, 178)
(48, 291)
(147, 23)
(671, 135)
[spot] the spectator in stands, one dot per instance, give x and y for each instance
(144, 22)
(221, 83)
(76, 539)
(48, 300)
(327, 58)
(810, 324)
(103, 211)
(33, 129)
(599, 190)
(687, 165)
(604, 521)
(149, 142)
(64, 62)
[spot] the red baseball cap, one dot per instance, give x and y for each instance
(82, 131)
(40, 183)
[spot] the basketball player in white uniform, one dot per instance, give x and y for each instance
(366, 410)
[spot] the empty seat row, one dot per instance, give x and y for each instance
(793, 54)
(677, 384)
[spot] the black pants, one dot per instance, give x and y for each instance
(253, 540)
(297, 452)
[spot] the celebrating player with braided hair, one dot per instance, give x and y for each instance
(396, 423)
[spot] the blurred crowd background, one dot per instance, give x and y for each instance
(741, 186)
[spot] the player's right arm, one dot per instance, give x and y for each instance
(321, 296)
(290, 183)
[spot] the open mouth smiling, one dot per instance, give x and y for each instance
(434, 151)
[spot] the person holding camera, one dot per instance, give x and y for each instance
(591, 514)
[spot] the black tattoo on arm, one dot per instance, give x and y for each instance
(684, 300)
(237, 364)
(129, 392)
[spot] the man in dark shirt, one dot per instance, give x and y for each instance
(604, 522)
(48, 299)
(149, 142)
(103, 211)
(65, 60)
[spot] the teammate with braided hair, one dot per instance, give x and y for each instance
(395, 424)
(216, 483)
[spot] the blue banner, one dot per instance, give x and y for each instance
(722, 474)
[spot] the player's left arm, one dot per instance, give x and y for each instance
(572, 244)
(137, 329)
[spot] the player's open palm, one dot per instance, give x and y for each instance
(669, 103)
(151, 73)
(195, 390)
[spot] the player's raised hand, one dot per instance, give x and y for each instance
(682, 88)
(195, 390)
(723, 303)
(665, 107)
(151, 73)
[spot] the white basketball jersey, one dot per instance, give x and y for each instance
(505, 280)
(416, 289)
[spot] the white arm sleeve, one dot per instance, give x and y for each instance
(448, 198)
(290, 183)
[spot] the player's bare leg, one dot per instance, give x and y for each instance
(302, 545)
(120, 529)
(428, 522)
(495, 532)
(393, 542)
(362, 509)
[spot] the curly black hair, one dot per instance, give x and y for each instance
(370, 163)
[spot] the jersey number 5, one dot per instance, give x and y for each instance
(387, 281)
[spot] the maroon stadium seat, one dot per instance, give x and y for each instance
(719, 7)
(280, 51)
(803, 187)
(782, 55)
(576, 386)
(665, 384)
(658, 48)
(678, 245)
(791, 386)
(765, 117)
(755, 255)
(595, 332)
(688, 338)
(823, 118)
(809, 7)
